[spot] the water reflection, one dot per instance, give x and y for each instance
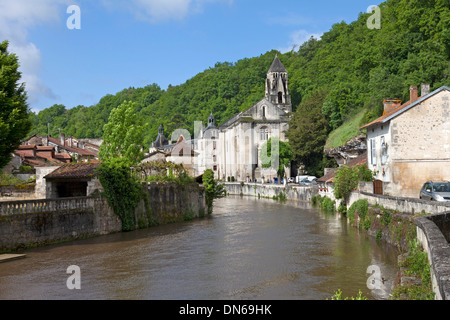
(249, 249)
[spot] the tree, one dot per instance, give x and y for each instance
(123, 135)
(15, 122)
(276, 154)
(213, 189)
(308, 132)
(345, 181)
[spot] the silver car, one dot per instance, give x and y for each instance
(436, 191)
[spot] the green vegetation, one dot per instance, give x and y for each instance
(338, 296)
(346, 131)
(11, 180)
(347, 179)
(324, 203)
(213, 189)
(122, 190)
(276, 154)
(14, 115)
(167, 172)
(307, 133)
(390, 226)
(280, 197)
(123, 135)
(415, 265)
(359, 209)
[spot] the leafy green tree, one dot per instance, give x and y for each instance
(345, 181)
(276, 154)
(123, 135)
(308, 132)
(213, 189)
(14, 115)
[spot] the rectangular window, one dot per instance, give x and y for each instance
(373, 152)
(384, 155)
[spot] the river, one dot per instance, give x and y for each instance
(248, 249)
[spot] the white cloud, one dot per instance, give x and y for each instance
(156, 11)
(16, 18)
(297, 38)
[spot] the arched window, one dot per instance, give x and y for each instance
(264, 112)
(280, 97)
(264, 134)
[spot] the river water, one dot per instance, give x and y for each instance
(248, 249)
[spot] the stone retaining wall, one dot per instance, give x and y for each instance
(39, 222)
(43, 221)
(291, 191)
(433, 231)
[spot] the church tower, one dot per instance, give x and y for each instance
(277, 89)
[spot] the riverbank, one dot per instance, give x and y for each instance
(289, 191)
(415, 277)
(40, 222)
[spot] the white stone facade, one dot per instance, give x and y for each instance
(411, 144)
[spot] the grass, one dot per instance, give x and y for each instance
(346, 131)
(9, 179)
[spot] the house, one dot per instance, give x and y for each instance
(326, 183)
(78, 149)
(73, 180)
(35, 156)
(410, 143)
(182, 153)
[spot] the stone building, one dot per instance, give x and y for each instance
(410, 143)
(73, 180)
(241, 137)
(233, 148)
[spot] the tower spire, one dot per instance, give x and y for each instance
(277, 89)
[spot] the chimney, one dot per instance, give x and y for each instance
(391, 104)
(62, 139)
(413, 94)
(424, 89)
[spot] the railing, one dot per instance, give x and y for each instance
(46, 205)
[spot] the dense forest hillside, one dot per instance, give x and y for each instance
(346, 73)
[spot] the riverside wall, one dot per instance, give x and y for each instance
(432, 220)
(40, 222)
(265, 190)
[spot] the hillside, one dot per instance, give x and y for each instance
(351, 66)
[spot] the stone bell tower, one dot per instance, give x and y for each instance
(277, 89)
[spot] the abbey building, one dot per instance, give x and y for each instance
(233, 149)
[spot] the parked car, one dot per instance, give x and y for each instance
(291, 180)
(305, 182)
(435, 191)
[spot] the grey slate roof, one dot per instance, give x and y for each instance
(277, 66)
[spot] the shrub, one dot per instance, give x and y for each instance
(360, 208)
(386, 218)
(342, 209)
(345, 181)
(327, 204)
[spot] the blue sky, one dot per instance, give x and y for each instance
(124, 43)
